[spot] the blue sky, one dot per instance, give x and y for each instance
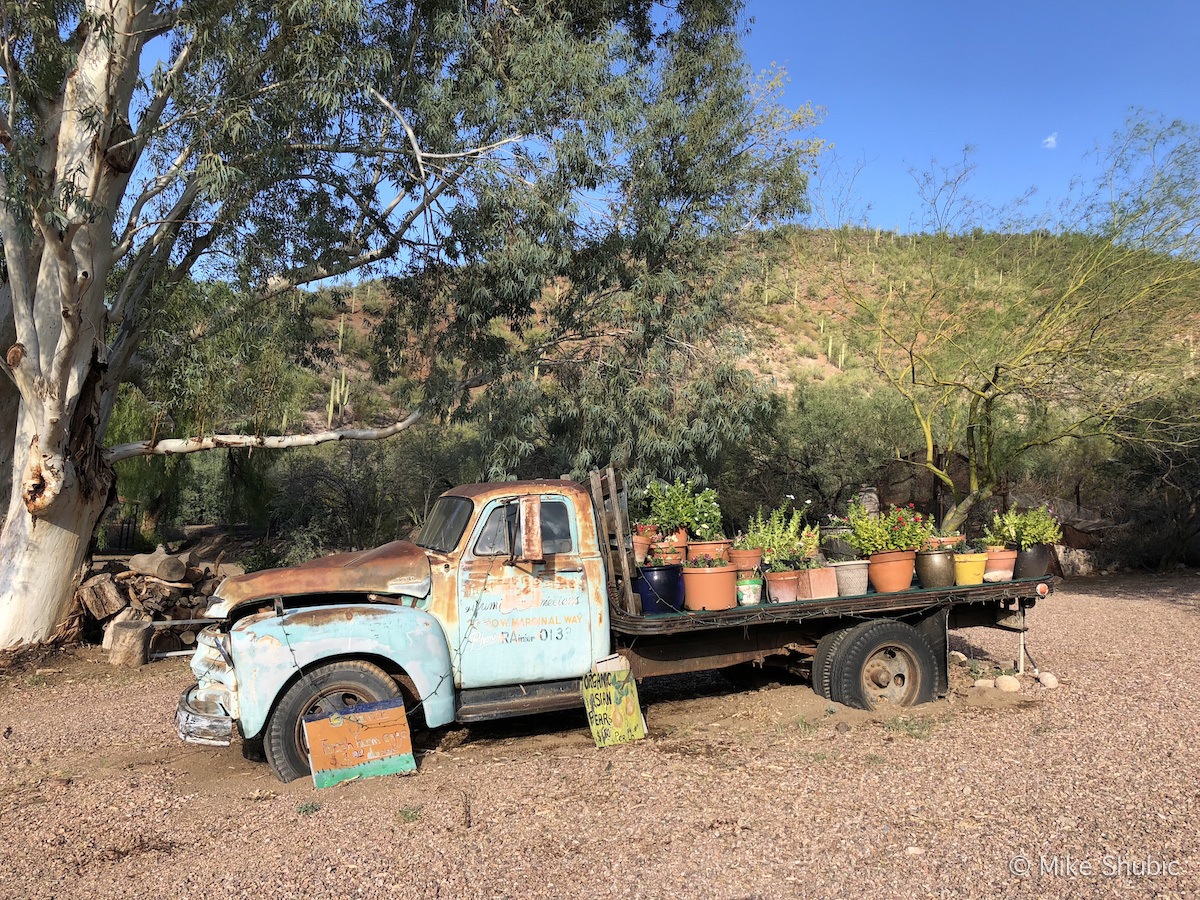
(903, 83)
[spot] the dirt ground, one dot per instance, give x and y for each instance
(1092, 789)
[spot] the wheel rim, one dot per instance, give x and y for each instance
(891, 675)
(326, 703)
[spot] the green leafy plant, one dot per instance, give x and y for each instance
(755, 535)
(781, 539)
(653, 561)
(705, 561)
(672, 506)
(308, 807)
(900, 528)
(968, 547)
(810, 541)
(809, 562)
(706, 517)
(1036, 526)
(1002, 530)
(677, 505)
(409, 814)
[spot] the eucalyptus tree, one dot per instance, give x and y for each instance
(278, 144)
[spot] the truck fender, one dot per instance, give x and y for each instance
(268, 654)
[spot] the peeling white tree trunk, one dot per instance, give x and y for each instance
(40, 558)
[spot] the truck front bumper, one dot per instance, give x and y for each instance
(201, 718)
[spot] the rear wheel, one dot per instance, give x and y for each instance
(322, 691)
(822, 665)
(883, 662)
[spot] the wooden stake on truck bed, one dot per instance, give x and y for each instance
(609, 515)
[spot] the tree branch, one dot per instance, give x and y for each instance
(174, 446)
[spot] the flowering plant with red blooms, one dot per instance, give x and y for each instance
(899, 528)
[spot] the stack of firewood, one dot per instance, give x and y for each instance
(151, 607)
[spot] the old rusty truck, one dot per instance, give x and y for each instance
(509, 595)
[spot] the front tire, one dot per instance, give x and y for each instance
(324, 690)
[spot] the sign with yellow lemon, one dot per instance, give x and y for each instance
(613, 709)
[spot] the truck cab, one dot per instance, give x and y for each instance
(499, 607)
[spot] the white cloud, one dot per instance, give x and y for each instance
(1051, 142)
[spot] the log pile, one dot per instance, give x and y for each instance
(137, 602)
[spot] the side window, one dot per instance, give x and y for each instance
(556, 531)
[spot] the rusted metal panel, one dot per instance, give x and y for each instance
(268, 651)
(523, 621)
(400, 567)
(714, 650)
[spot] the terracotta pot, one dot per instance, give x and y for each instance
(816, 584)
(1000, 564)
(718, 549)
(670, 552)
(745, 560)
(968, 568)
(935, 568)
(782, 586)
(938, 543)
(892, 570)
(1033, 562)
(851, 577)
(710, 588)
(641, 548)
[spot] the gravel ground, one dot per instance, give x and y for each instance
(759, 793)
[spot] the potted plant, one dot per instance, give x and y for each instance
(644, 534)
(815, 580)
(781, 539)
(709, 582)
(672, 507)
(833, 539)
(969, 564)
(658, 586)
(889, 541)
(1000, 538)
(747, 550)
(704, 526)
(1037, 530)
(935, 565)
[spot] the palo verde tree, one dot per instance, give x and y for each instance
(1001, 343)
(276, 145)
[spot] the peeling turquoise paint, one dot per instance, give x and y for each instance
(268, 652)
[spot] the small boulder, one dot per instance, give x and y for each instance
(956, 658)
(1048, 680)
(1008, 683)
(842, 727)
(985, 683)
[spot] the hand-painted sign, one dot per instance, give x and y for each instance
(359, 742)
(613, 709)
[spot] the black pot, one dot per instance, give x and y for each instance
(1032, 563)
(658, 587)
(833, 540)
(935, 568)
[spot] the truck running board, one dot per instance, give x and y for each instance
(481, 704)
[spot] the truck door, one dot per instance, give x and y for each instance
(522, 622)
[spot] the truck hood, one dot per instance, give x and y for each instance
(400, 567)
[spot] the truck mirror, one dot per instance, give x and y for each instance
(531, 529)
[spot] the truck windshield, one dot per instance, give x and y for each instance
(445, 525)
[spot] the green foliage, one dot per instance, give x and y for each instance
(1002, 530)
(899, 528)
(780, 536)
(678, 505)
(1035, 526)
